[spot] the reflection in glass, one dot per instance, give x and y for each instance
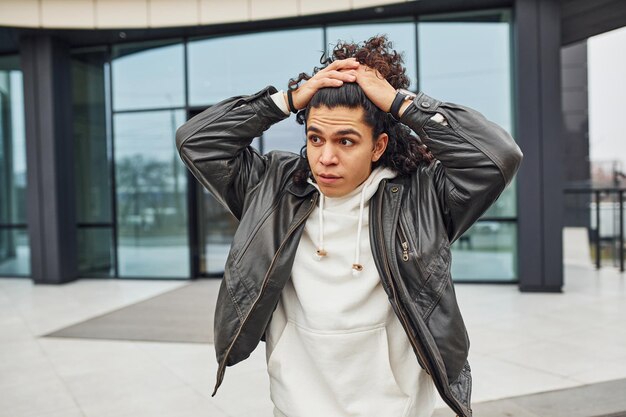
(95, 252)
(148, 75)
(151, 194)
(14, 242)
(487, 251)
(286, 135)
(14, 252)
(93, 176)
(468, 63)
(217, 228)
(240, 65)
(505, 204)
(401, 34)
(12, 143)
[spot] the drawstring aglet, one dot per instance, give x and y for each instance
(356, 269)
(319, 254)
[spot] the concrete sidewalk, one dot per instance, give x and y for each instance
(521, 344)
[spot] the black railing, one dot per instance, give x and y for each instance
(601, 211)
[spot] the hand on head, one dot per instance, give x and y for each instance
(334, 75)
(375, 86)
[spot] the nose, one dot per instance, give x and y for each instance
(328, 155)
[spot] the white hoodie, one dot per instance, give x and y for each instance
(334, 346)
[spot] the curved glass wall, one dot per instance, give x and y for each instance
(148, 75)
(14, 242)
(151, 88)
(227, 66)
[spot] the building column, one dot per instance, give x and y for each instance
(50, 159)
(537, 34)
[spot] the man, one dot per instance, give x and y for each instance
(341, 261)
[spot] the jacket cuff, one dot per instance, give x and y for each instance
(265, 105)
(419, 111)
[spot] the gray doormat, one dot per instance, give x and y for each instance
(184, 314)
(604, 399)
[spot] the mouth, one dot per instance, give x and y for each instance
(327, 178)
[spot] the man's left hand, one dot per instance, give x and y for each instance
(377, 88)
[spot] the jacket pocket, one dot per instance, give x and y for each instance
(315, 373)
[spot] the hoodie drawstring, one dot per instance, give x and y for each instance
(320, 253)
(356, 266)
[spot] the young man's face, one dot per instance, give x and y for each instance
(340, 148)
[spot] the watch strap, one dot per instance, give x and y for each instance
(396, 104)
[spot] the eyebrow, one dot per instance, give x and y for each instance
(348, 131)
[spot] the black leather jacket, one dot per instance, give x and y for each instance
(413, 221)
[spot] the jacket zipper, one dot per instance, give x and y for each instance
(403, 320)
(393, 288)
(404, 241)
(222, 368)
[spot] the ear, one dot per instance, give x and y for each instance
(380, 144)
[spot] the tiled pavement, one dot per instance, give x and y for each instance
(521, 343)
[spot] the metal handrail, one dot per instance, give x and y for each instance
(597, 192)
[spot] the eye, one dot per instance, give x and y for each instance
(346, 142)
(315, 140)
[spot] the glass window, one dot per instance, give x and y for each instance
(12, 143)
(14, 252)
(95, 252)
(217, 228)
(466, 59)
(151, 189)
(93, 173)
(401, 34)
(286, 135)
(148, 75)
(469, 63)
(505, 204)
(486, 252)
(244, 64)
(14, 247)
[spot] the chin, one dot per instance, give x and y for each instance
(332, 191)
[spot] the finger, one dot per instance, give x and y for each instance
(344, 63)
(342, 75)
(328, 82)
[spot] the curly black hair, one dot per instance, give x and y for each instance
(404, 151)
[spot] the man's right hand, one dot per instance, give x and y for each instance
(334, 75)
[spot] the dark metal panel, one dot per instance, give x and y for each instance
(28, 57)
(553, 160)
(582, 19)
(538, 124)
(528, 131)
(50, 159)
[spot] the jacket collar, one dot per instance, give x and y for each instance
(306, 189)
(300, 190)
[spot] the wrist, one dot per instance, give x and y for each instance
(404, 106)
(403, 98)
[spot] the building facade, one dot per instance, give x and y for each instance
(91, 185)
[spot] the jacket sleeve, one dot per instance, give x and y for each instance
(215, 145)
(476, 159)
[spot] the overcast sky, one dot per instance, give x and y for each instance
(606, 55)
